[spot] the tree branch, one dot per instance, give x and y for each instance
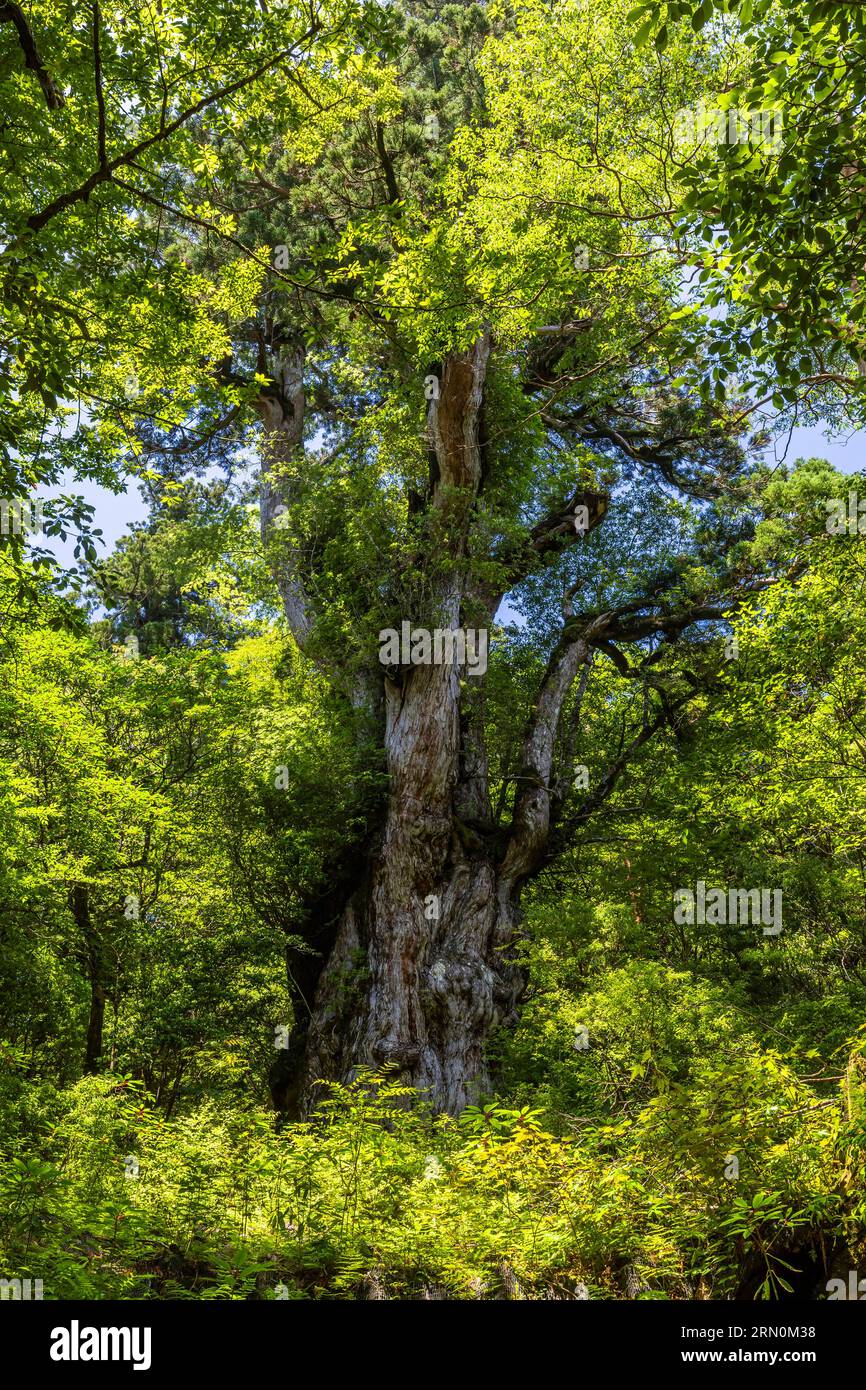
(10, 13)
(563, 526)
(103, 174)
(530, 822)
(282, 413)
(387, 165)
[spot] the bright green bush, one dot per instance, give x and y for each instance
(376, 1198)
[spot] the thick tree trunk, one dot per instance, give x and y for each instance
(420, 994)
(420, 971)
(404, 985)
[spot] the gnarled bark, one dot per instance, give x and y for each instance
(419, 973)
(421, 968)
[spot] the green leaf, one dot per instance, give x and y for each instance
(644, 32)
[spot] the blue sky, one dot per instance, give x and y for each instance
(846, 452)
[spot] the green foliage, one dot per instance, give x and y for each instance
(186, 799)
(374, 1199)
